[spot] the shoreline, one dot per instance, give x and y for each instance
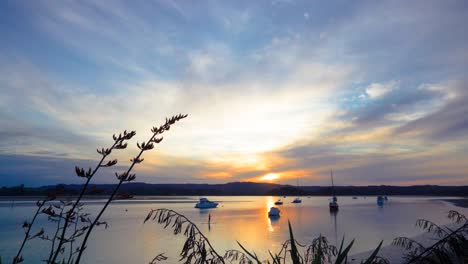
(460, 202)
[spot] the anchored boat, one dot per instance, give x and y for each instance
(297, 200)
(274, 212)
(205, 203)
(380, 200)
(334, 202)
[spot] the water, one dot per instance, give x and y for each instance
(243, 219)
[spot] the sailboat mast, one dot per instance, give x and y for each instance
(333, 186)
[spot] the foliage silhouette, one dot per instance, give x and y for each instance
(72, 224)
(451, 246)
(198, 249)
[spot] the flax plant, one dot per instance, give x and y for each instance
(120, 142)
(28, 226)
(127, 176)
(66, 214)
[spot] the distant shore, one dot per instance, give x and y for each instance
(239, 189)
(462, 202)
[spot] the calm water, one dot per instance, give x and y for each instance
(243, 219)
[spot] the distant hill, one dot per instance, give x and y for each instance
(238, 188)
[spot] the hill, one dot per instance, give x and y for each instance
(238, 188)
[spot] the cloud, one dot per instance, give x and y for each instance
(221, 119)
(376, 90)
(393, 163)
(450, 122)
(396, 106)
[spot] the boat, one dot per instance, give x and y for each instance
(279, 201)
(205, 203)
(354, 197)
(334, 201)
(380, 200)
(123, 196)
(297, 200)
(274, 212)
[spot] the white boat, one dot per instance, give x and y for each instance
(274, 212)
(205, 203)
(279, 202)
(297, 200)
(334, 202)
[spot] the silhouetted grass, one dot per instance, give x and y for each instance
(198, 249)
(450, 248)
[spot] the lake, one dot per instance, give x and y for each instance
(243, 219)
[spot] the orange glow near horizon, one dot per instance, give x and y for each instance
(270, 177)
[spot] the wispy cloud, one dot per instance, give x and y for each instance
(376, 90)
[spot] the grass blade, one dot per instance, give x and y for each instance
(294, 252)
(373, 255)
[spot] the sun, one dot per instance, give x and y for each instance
(269, 177)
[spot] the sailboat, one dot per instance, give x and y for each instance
(297, 199)
(279, 201)
(334, 202)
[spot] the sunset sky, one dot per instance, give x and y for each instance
(275, 90)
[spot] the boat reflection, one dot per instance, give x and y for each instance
(269, 203)
(333, 215)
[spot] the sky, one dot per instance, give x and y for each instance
(276, 91)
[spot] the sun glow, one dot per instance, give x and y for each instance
(270, 177)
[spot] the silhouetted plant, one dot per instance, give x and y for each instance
(28, 226)
(159, 257)
(120, 142)
(77, 232)
(55, 214)
(127, 176)
(66, 213)
(451, 245)
(198, 249)
(57, 218)
(237, 256)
